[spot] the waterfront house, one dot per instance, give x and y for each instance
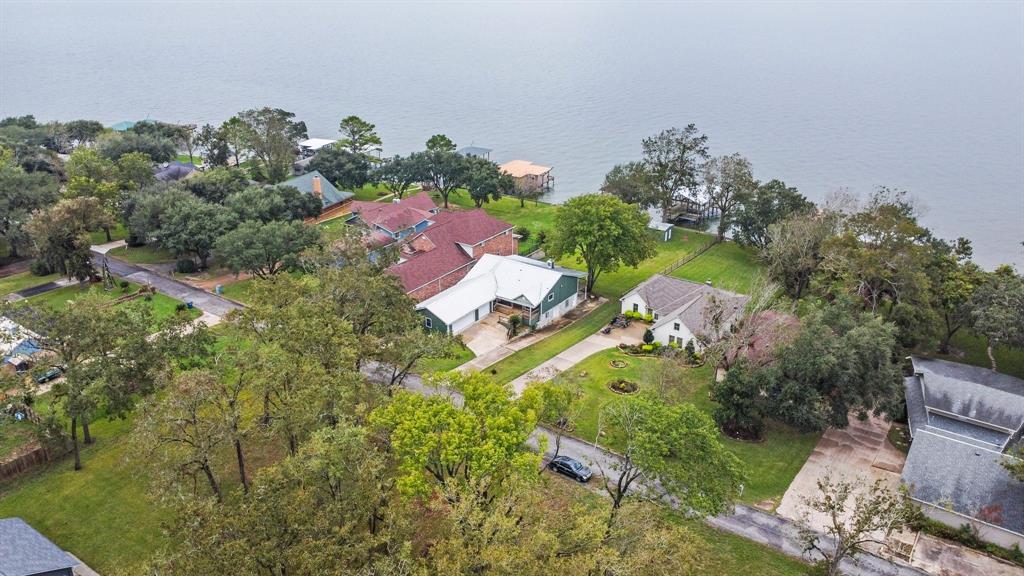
(678, 308)
(335, 201)
(539, 292)
(529, 176)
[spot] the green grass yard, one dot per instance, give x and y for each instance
(728, 265)
(534, 355)
(462, 355)
(371, 192)
(771, 464)
(118, 232)
(237, 291)
(23, 280)
(148, 254)
(332, 229)
(970, 348)
(163, 306)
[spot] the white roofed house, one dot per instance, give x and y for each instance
(679, 308)
(311, 146)
(538, 291)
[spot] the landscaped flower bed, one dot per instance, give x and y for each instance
(623, 386)
(616, 363)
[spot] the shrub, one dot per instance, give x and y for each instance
(124, 285)
(648, 336)
(647, 347)
(673, 345)
(148, 297)
(181, 307)
(40, 268)
(542, 237)
(648, 317)
(134, 241)
(185, 266)
(523, 232)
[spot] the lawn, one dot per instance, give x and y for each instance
(771, 464)
(534, 355)
(163, 306)
(237, 291)
(534, 216)
(462, 355)
(332, 229)
(101, 513)
(728, 265)
(20, 281)
(148, 254)
(971, 349)
(14, 434)
(118, 232)
(196, 159)
(371, 192)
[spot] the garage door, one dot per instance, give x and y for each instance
(463, 323)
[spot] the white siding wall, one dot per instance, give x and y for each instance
(627, 304)
(662, 333)
(558, 311)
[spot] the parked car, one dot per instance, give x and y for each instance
(51, 374)
(570, 467)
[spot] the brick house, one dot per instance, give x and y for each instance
(436, 248)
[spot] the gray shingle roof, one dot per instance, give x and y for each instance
(968, 479)
(972, 392)
(23, 551)
(673, 298)
(331, 195)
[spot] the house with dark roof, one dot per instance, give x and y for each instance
(335, 201)
(435, 248)
(965, 421)
(173, 171)
(678, 308)
(26, 552)
(539, 292)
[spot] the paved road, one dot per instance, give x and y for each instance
(205, 301)
(769, 529)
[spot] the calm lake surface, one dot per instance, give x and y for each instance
(924, 97)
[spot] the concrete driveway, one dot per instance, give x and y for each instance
(486, 335)
(859, 451)
(578, 352)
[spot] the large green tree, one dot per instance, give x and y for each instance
(997, 310)
(264, 248)
(21, 193)
(670, 450)
(630, 183)
(273, 203)
(441, 166)
(601, 231)
(358, 136)
(727, 180)
(271, 135)
(673, 161)
(793, 253)
(397, 175)
(344, 168)
(217, 184)
(770, 203)
(485, 182)
(192, 227)
(60, 235)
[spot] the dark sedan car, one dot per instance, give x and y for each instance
(570, 467)
(51, 374)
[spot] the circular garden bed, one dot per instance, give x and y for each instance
(623, 386)
(617, 363)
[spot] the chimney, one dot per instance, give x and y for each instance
(316, 187)
(551, 264)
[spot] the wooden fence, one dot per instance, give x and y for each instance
(668, 270)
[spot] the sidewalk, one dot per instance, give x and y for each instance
(578, 352)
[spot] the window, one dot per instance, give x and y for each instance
(655, 315)
(675, 326)
(636, 307)
(671, 339)
(428, 323)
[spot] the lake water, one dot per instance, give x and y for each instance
(924, 97)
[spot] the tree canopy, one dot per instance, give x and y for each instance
(358, 136)
(601, 231)
(271, 135)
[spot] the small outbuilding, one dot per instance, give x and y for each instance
(26, 552)
(529, 175)
(311, 146)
